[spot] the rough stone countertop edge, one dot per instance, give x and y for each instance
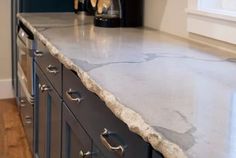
(134, 121)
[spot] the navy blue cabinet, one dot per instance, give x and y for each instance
(110, 136)
(76, 142)
(41, 116)
(73, 122)
(48, 104)
(48, 119)
(79, 125)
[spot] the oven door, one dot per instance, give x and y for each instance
(25, 61)
(26, 109)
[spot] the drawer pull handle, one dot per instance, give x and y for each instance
(69, 94)
(44, 88)
(28, 120)
(52, 69)
(38, 53)
(120, 149)
(83, 154)
(22, 103)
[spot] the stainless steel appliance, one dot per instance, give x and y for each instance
(23, 85)
(25, 50)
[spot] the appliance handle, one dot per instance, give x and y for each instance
(28, 119)
(21, 44)
(25, 40)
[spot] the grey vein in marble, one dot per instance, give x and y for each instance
(184, 140)
(177, 95)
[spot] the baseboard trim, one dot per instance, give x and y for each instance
(6, 89)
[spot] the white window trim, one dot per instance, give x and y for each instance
(220, 25)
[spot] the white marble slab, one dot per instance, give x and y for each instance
(177, 95)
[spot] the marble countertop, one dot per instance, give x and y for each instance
(177, 95)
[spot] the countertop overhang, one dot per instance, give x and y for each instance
(177, 95)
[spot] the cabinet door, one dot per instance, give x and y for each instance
(48, 119)
(54, 103)
(41, 130)
(76, 142)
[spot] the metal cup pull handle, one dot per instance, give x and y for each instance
(38, 53)
(52, 69)
(120, 149)
(28, 120)
(83, 154)
(69, 94)
(22, 103)
(44, 88)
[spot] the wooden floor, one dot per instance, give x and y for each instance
(13, 143)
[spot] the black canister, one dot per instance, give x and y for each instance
(108, 13)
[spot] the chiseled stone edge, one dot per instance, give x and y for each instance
(134, 121)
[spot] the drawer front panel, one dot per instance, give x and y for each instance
(110, 135)
(50, 66)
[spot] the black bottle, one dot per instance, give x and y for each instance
(90, 10)
(83, 6)
(76, 5)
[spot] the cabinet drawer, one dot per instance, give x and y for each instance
(106, 130)
(50, 66)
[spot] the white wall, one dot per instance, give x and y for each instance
(5, 49)
(170, 16)
(167, 15)
(229, 5)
